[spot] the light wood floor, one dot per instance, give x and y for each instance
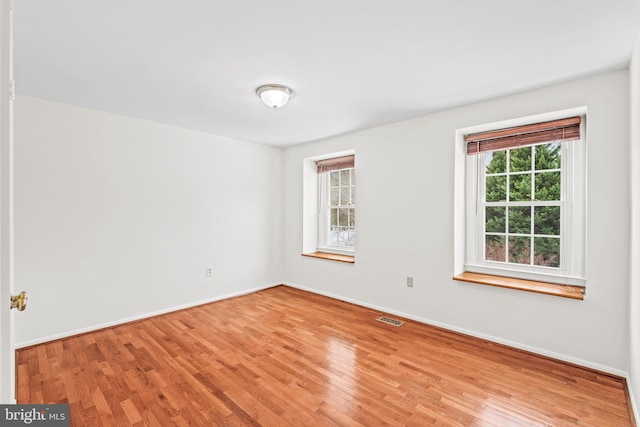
(284, 357)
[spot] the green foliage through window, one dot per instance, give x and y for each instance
(522, 205)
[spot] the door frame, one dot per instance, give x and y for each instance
(7, 350)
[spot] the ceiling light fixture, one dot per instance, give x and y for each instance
(274, 96)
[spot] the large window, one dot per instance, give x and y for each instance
(336, 206)
(525, 201)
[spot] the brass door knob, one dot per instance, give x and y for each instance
(19, 301)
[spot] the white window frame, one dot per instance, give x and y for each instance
(573, 208)
(324, 216)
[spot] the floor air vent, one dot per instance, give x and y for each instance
(389, 320)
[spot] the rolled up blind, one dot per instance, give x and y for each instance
(337, 163)
(556, 130)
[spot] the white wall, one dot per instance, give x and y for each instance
(118, 217)
(405, 220)
(634, 298)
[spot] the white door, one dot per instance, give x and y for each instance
(7, 355)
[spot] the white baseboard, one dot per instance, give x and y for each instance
(514, 344)
(634, 407)
(139, 317)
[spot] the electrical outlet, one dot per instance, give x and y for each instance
(209, 271)
(409, 282)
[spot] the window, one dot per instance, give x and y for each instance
(328, 206)
(525, 201)
(336, 206)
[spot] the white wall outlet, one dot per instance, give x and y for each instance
(209, 271)
(409, 282)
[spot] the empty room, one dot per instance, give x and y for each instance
(362, 213)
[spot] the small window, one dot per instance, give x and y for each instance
(336, 205)
(525, 201)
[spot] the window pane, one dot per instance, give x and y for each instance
(353, 176)
(547, 220)
(344, 177)
(343, 240)
(547, 251)
(345, 193)
(343, 217)
(519, 250)
(335, 178)
(548, 186)
(353, 195)
(520, 219)
(351, 237)
(495, 219)
(335, 196)
(496, 188)
(334, 217)
(494, 249)
(520, 159)
(352, 217)
(333, 237)
(548, 156)
(496, 162)
(520, 187)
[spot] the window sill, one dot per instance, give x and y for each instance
(565, 291)
(332, 257)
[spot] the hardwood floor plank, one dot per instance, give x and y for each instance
(284, 357)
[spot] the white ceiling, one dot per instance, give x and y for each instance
(352, 64)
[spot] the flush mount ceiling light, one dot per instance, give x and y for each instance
(274, 96)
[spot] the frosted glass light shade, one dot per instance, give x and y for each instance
(274, 96)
